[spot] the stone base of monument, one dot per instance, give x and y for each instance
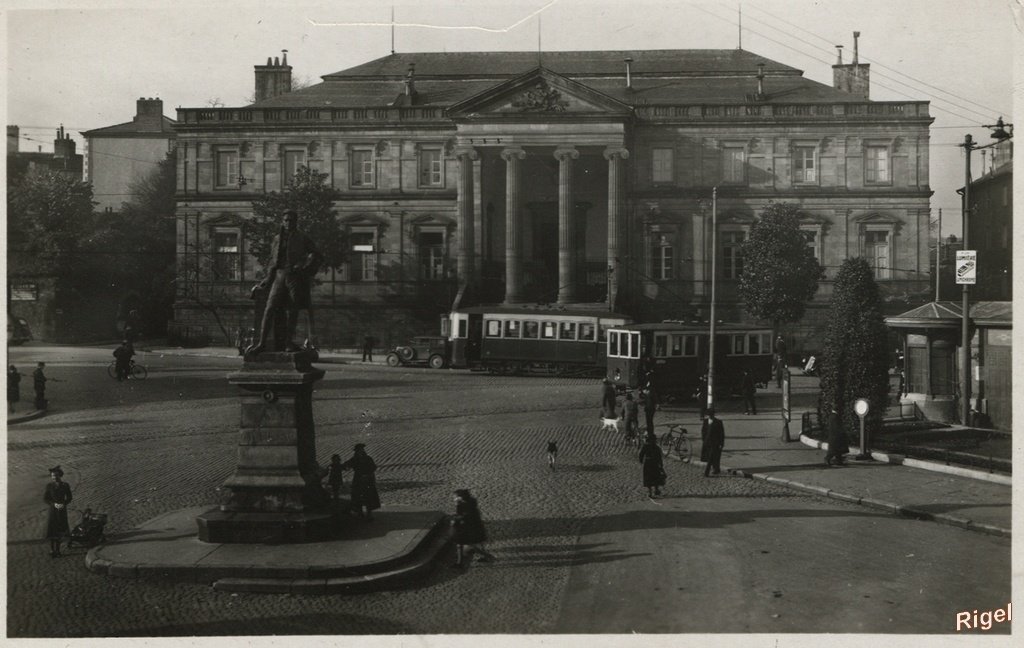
(400, 545)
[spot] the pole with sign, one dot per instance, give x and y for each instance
(785, 406)
(967, 267)
(861, 409)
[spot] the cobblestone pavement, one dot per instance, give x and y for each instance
(430, 432)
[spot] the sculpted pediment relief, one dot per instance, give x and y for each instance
(540, 92)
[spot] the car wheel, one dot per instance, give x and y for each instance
(436, 362)
(393, 360)
(406, 353)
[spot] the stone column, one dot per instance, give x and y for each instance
(464, 257)
(566, 226)
(615, 156)
(513, 234)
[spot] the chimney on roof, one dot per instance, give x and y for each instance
(629, 76)
(839, 54)
(63, 145)
(854, 78)
(410, 90)
(13, 135)
(149, 111)
(761, 96)
(274, 78)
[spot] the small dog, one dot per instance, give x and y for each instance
(611, 425)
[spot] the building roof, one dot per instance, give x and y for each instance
(948, 314)
(136, 127)
(658, 77)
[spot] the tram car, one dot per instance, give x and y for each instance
(677, 355)
(510, 340)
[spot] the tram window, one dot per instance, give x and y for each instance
(603, 331)
(613, 343)
(660, 346)
(493, 328)
(737, 344)
(690, 345)
(547, 330)
(586, 331)
(754, 344)
(677, 345)
(567, 331)
(530, 329)
(634, 345)
(463, 328)
(512, 328)
(764, 345)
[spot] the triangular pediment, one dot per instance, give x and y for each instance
(538, 92)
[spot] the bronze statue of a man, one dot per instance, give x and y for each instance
(294, 261)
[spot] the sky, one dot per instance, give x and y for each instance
(84, 64)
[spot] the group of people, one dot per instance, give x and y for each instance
(14, 387)
(630, 415)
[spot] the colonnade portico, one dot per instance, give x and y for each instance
(471, 155)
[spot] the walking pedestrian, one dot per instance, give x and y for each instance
(39, 383)
(608, 401)
(631, 417)
(335, 478)
(837, 443)
(712, 435)
(649, 398)
(552, 454)
(13, 388)
(653, 468)
(749, 390)
(364, 483)
(368, 343)
(57, 497)
(469, 528)
(123, 359)
(702, 396)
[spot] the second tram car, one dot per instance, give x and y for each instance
(677, 355)
(511, 340)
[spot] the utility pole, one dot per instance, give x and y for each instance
(714, 256)
(938, 254)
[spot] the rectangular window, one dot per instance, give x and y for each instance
(548, 330)
(567, 331)
(492, 328)
(917, 367)
(662, 265)
(634, 345)
(732, 256)
(363, 260)
(734, 168)
(431, 254)
(737, 344)
(690, 345)
(803, 165)
(811, 233)
(227, 168)
(512, 328)
(613, 343)
(586, 332)
(676, 348)
(431, 167)
(293, 159)
(24, 292)
(660, 345)
(227, 256)
(361, 166)
(463, 328)
(876, 251)
(531, 329)
(661, 165)
(876, 164)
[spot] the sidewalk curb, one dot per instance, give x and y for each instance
(891, 507)
(900, 460)
(31, 416)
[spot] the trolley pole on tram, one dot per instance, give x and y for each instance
(714, 256)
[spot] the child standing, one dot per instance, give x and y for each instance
(552, 454)
(334, 476)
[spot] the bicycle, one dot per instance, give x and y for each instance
(135, 370)
(676, 440)
(632, 434)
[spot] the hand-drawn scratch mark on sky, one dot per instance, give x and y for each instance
(498, 30)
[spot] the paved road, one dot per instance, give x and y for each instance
(580, 549)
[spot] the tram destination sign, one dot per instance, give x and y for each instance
(966, 266)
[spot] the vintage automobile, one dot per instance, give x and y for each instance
(430, 350)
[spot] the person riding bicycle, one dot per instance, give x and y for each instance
(123, 359)
(631, 416)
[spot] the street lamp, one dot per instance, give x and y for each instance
(714, 255)
(860, 408)
(1000, 134)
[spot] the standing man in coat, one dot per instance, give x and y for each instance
(295, 259)
(749, 390)
(39, 383)
(649, 398)
(364, 483)
(13, 388)
(781, 353)
(608, 400)
(837, 443)
(712, 435)
(653, 467)
(57, 497)
(368, 343)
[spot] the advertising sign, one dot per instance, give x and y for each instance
(966, 266)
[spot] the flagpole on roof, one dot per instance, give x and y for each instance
(392, 29)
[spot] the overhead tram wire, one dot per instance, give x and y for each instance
(814, 57)
(882, 65)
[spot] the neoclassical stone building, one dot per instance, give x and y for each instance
(580, 178)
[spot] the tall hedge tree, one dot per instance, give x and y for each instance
(780, 273)
(308, 193)
(856, 362)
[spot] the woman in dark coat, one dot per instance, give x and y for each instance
(712, 435)
(469, 528)
(608, 400)
(837, 444)
(654, 469)
(364, 484)
(649, 398)
(57, 497)
(13, 388)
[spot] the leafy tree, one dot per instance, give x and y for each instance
(780, 273)
(856, 360)
(50, 218)
(308, 193)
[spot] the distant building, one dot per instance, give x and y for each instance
(991, 224)
(64, 159)
(118, 156)
(575, 178)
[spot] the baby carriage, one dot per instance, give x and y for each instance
(89, 532)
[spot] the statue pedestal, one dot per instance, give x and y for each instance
(274, 495)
